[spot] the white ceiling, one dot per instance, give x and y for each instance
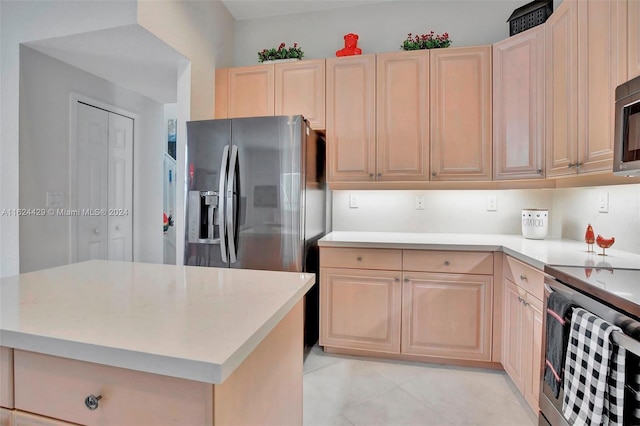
(128, 56)
(250, 9)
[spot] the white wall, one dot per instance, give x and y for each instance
(381, 27)
(46, 85)
(570, 210)
(201, 31)
(24, 21)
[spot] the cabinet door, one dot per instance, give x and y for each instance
(633, 28)
(447, 315)
(222, 93)
(27, 419)
(402, 133)
(561, 122)
(598, 76)
(351, 127)
(6, 377)
(251, 91)
(360, 309)
(461, 113)
(532, 345)
(6, 418)
(513, 339)
(518, 106)
(299, 89)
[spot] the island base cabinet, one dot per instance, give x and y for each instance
(6, 418)
(266, 388)
(27, 419)
(447, 315)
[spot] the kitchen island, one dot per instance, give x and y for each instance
(154, 344)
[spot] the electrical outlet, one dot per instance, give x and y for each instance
(603, 202)
(353, 201)
(492, 203)
(55, 199)
(419, 202)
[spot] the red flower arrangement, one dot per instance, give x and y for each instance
(426, 41)
(282, 52)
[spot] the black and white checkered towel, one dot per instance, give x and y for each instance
(594, 373)
(632, 328)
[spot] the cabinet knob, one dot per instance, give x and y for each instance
(359, 258)
(379, 174)
(371, 175)
(92, 401)
(406, 280)
(579, 164)
(571, 165)
(447, 263)
(539, 171)
(396, 279)
(434, 174)
(523, 278)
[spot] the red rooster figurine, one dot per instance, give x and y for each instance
(604, 243)
(589, 238)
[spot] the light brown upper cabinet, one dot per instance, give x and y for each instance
(461, 113)
(251, 91)
(518, 106)
(585, 57)
(351, 126)
(300, 90)
(273, 89)
(633, 48)
(402, 112)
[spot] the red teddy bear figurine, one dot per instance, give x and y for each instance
(350, 46)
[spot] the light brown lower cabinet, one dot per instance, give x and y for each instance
(20, 418)
(522, 344)
(361, 309)
(447, 315)
(424, 305)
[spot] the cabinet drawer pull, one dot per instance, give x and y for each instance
(447, 263)
(523, 278)
(359, 258)
(92, 401)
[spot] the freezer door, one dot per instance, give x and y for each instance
(208, 150)
(268, 194)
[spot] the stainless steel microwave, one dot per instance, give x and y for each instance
(626, 154)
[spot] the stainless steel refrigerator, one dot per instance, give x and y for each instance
(256, 197)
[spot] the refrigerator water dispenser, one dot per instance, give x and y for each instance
(203, 218)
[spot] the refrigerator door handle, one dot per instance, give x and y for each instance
(229, 203)
(221, 214)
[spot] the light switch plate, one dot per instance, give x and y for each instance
(55, 200)
(603, 202)
(492, 203)
(353, 201)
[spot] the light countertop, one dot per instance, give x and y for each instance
(537, 253)
(189, 322)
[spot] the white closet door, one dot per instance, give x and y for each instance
(92, 183)
(104, 185)
(120, 188)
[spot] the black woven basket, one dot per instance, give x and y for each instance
(529, 16)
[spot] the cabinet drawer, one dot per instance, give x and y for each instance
(28, 419)
(455, 262)
(359, 258)
(6, 377)
(57, 387)
(525, 276)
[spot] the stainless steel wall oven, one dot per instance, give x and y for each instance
(613, 295)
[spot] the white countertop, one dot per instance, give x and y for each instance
(536, 253)
(190, 322)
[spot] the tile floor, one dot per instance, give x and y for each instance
(343, 390)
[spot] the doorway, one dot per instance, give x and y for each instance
(101, 183)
